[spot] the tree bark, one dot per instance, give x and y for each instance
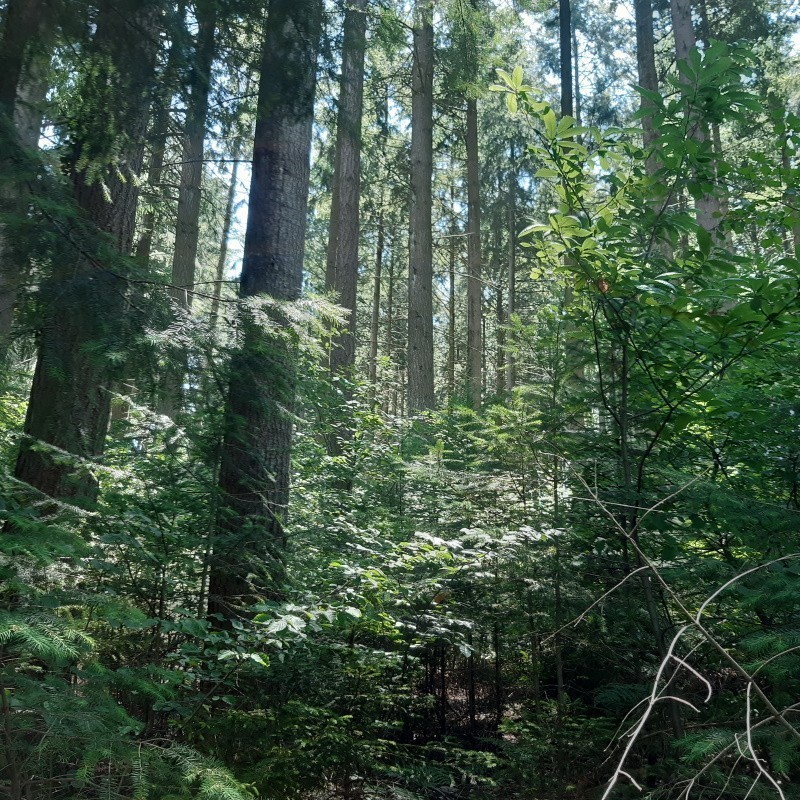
(83, 302)
(565, 54)
(187, 226)
(23, 20)
(23, 23)
(375, 321)
(383, 123)
(451, 305)
(420, 263)
(161, 108)
(474, 267)
(187, 222)
(254, 471)
(577, 74)
(707, 207)
(647, 74)
(341, 272)
(227, 223)
(511, 358)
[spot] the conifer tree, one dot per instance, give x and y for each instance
(341, 273)
(254, 472)
(420, 265)
(83, 302)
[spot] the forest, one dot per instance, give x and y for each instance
(399, 399)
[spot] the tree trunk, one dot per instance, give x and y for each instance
(707, 207)
(383, 123)
(577, 70)
(375, 321)
(565, 54)
(474, 276)
(500, 339)
(647, 74)
(187, 226)
(23, 23)
(341, 272)
(227, 223)
(451, 305)
(511, 358)
(83, 302)
(420, 263)
(187, 222)
(161, 107)
(341, 269)
(254, 470)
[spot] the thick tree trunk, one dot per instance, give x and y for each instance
(254, 471)
(83, 302)
(474, 267)
(341, 269)
(420, 263)
(23, 20)
(341, 272)
(20, 89)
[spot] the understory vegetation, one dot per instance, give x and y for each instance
(272, 527)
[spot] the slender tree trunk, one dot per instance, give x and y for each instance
(83, 302)
(647, 74)
(254, 470)
(511, 358)
(375, 321)
(474, 276)
(187, 225)
(420, 268)
(227, 224)
(499, 693)
(383, 123)
(577, 70)
(443, 688)
(187, 222)
(161, 108)
(500, 337)
(390, 331)
(472, 711)
(565, 51)
(451, 305)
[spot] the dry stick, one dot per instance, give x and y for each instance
(694, 621)
(574, 622)
(752, 749)
(727, 748)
